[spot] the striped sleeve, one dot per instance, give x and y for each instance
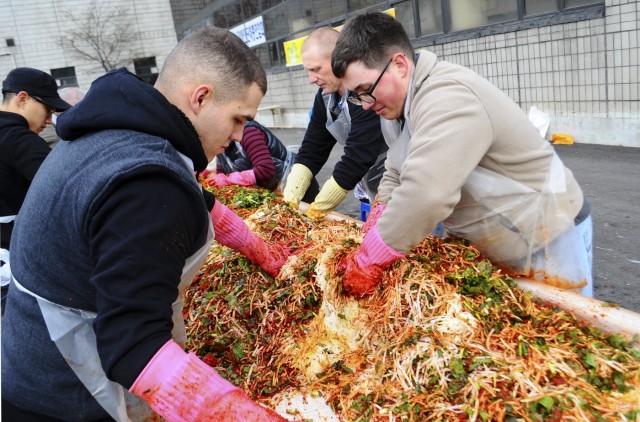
(254, 142)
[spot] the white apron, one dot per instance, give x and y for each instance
(525, 231)
(72, 331)
(5, 267)
(340, 128)
(288, 163)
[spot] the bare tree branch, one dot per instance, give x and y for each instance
(102, 34)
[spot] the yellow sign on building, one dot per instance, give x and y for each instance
(292, 51)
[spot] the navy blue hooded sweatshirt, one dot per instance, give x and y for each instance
(106, 227)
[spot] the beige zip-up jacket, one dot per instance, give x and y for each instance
(458, 121)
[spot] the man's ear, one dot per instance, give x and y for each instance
(21, 99)
(199, 97)
(402, 64)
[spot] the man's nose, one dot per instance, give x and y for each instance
(367, 106)
(236, 135)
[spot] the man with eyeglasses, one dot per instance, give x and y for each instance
(30, 96)
(334, 120)
(460, 151)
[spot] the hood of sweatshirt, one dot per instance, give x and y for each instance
(121, 100)
(10, 120)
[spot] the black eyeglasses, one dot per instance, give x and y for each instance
(50, 110)
(367, 96)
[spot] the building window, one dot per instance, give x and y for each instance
(268, 4)
(263, 54)
(299, 15)
(276, 51)
(465, 19)
(534, 7)
(430, 12)
(577, 3)
(404, 13)
(10, 42)
(250, 8)
(65, 76)
(234, 14)
(357, 5)
(146, 69)
(275, 22)
(327, 10)
(467, 14)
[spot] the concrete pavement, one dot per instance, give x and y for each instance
(609, 177)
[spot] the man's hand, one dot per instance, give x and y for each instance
(298, 182)
(181, 387)
(365, 265)
(270, 257)
(360, 281)
(240, 178)
(231, 231)
(329, 197)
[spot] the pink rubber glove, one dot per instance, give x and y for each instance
(372, 218)
(366, 264)
(240, 178)
(181, 387)
(232, 231)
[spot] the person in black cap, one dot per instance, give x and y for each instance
(30, 97)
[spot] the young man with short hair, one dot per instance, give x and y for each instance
(111, 234)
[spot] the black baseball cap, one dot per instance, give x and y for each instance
(37, 84)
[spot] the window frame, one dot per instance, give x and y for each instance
(557, 17)
(152, 73)
(65, 80)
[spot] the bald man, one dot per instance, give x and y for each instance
(72, 95)
(334, 120)
(111, 253)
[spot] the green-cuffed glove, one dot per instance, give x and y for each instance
(298, 182)
(329, 197)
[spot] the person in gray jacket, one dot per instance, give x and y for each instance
(462, 152)
(93, 328)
